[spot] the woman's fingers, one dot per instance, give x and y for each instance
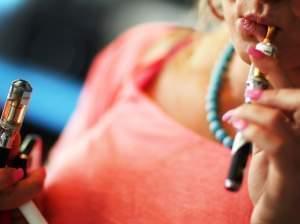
(23, 191)
(266, 117)
(269, 66)
(282, 152)
(284, 99)
(270, 132)
(287, 100)
(264, 126)
(9, 176)
(263, 139)
(36, 155)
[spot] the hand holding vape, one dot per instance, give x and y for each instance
(241, 148)
(10, 124)
(13, 116)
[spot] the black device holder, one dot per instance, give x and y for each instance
(236, 170)
(4, 153)
(21, 159)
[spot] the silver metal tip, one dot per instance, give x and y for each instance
(22, 84)
(232, 185)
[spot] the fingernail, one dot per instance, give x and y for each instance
(18, 174)
(255, 53)
(228, 115)
(240, 125)
(254, 94)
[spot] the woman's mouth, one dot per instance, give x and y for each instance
(251, 28)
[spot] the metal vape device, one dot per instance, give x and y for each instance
(241, 148)
(10, 124)
(13, 116)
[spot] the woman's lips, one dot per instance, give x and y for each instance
(252, 28)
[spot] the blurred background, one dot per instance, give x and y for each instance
(51, 43)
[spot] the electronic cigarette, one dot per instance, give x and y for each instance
(241, 148)
(13, 116)
(11, 121)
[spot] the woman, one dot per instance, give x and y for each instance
(139, 149)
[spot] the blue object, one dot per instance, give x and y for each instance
(53, 98)
(211, 107)
(8, 6)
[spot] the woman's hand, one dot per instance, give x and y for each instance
(272, 124)
(14, 190)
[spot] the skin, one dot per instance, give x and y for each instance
(274, 173)
(14, 190)
(274, 178)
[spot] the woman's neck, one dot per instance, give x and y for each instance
(231, 93)
(235, 79)
(233, 85)
(181, 88)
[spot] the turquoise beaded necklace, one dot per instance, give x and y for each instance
(211, 107)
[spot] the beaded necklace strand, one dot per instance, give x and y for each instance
(211, 106)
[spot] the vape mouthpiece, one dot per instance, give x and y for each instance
(270, 33)
(14, 111)
(266, 47)
(16, 104)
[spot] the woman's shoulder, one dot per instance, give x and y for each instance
(167, 41)
(207, 42)
(150, 41)
(134, 48)
(139, 44)
(148, 32)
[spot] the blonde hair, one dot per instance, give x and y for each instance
(207, 20)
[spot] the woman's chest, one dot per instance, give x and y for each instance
(181, 95)
(181, 92)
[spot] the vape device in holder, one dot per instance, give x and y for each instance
(241, 148)
(13, 116)
(10, 124)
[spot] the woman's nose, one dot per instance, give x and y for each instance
(261, 7)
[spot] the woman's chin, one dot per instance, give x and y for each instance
(242, 48)
(245, 57)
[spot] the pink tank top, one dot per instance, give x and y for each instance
(122, 160)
